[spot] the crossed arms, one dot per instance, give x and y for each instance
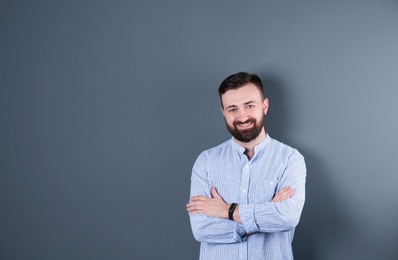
(216, 207)
(209, 211)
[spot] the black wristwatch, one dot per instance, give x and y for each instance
(231, 211)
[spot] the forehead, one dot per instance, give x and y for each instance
(246, 93)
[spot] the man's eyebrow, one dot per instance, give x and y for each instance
(249, 102)
(245, 104)
(230, 106)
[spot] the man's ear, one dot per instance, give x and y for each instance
(222, 111)
(265, 106)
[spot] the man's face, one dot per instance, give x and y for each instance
(244, 110)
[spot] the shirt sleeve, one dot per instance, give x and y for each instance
(279, 216)
(210, 229)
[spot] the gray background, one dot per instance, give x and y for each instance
(105, 105)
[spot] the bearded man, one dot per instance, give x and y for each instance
(247, 194)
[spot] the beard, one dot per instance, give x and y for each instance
(246, 135)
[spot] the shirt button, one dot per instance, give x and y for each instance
(244, 191)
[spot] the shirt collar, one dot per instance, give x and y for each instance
(257, 148)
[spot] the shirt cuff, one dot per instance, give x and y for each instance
(240, 232)
(246, 214)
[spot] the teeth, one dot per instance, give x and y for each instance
(247, 124)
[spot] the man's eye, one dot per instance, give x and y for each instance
(250, 106)
(232, 110)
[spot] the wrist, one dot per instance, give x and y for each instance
(231, 211)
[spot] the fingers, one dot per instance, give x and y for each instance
(285, 188)
(197, 204)
(283, 194)
(198, 198)
(214, 193)
(193, 208)
(213, 206)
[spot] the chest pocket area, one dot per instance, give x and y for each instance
(227, 187)
(263, 191)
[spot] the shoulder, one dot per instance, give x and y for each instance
(285, 150)
(216, 151)
(285, 158)
(210, 157)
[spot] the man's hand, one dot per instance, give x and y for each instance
(283, 194)
(216, 206)
(212, 207)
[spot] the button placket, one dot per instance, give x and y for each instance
(244, 187)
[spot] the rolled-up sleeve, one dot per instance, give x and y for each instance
(279, 216)
(210, 229)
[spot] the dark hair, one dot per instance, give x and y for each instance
(238, 80)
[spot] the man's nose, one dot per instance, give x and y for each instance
(242, 115)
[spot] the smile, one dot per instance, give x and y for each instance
(245, 125)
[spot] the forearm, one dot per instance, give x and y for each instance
(269, 217)
(216, 230)
(275, 216)
(207, 228)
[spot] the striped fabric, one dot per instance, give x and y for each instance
(252, 184)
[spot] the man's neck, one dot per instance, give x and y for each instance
(249, 147)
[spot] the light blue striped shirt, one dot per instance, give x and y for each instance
(252, 184)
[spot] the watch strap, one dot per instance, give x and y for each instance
(231, 211)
